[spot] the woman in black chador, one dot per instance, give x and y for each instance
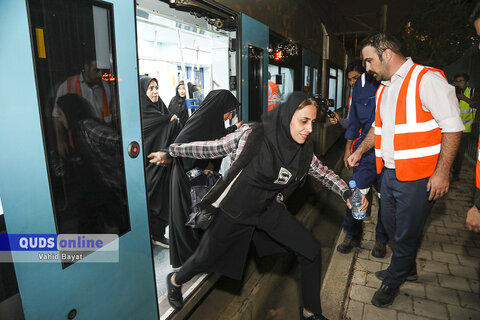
(207, 123)
(160, 128)
(266, 158)
(177, 105)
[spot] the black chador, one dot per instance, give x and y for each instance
(158, 133)
(205, 124)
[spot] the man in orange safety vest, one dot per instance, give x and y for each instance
(416, 134)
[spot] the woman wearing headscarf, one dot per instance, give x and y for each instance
(177, 105)
(96, 147)
(160, 129)
(207, 123)
(267, 158)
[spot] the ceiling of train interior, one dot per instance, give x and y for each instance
(199, 9)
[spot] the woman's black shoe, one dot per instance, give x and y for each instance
(312, 317)
(174, 293)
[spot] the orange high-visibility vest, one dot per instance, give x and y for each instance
(477, 168)
(107, 115)
(273, 96)
(417, 136)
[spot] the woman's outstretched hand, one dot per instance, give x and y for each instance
(159, 158)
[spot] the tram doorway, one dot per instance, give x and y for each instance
(191, 45)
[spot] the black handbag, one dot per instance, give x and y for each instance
(202, 216)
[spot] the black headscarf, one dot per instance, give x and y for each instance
(178, 106)
(207, 122)
(149, 107)
(191, 89)
(279, 150)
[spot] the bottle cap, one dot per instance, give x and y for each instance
(352, 184)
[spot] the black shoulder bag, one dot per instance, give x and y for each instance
(200, 218)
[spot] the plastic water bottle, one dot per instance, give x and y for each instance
(356, 201)
(195, 172)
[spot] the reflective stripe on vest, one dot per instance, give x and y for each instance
(107, 115)
(467, 114)
(417, 136)
(273, 96)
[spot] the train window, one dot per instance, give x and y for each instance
(339, 88)
(307, 81)
(77, 89)
(287, 74)
(332, 87)
(285, 85)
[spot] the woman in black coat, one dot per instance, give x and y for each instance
(177, 105)
(267, 158)
(160, 128)
(207, 123)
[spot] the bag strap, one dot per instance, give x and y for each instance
(251, 148)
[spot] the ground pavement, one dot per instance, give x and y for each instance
(448, 265)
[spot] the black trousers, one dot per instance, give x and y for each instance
(405, 208)
(285, 234)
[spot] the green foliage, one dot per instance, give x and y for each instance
(438, 32)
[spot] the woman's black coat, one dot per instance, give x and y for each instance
(158, 133)
(252, 209)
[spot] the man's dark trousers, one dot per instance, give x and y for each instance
(365, 176)
(405, 208)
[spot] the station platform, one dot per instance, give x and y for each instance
(448, 266)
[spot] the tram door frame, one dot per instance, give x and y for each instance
(93, 290)
(255, 85)
(253, 34)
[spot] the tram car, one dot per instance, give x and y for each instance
(97, 50)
